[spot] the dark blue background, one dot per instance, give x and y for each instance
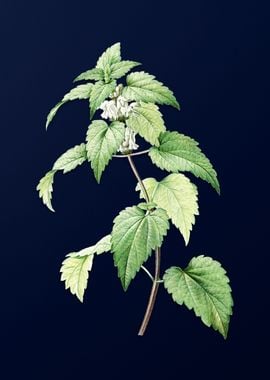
(213, 55)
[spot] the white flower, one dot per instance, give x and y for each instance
(129, 142)
(118, 108)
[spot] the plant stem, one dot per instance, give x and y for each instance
(135, 171)
(147, 272)
(154, 290)
(153, 295)
(131, 154)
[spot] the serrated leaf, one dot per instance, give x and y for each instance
(99, 93)
(177, 152)
(76, 267)
(204, 287)
(45, 189)
(80, 92)
(143, 86)
(71, 158)
(110, 56)
(178, 196)
(135, 234)
(103, 140)
(121, 68)
(92, 74)
(75, 272)
(146, 120)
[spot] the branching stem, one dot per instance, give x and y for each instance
(147, 272)
(156, 280)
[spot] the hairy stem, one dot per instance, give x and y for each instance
(154, 290)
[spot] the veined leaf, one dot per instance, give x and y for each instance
(204, 287)
(110, 56)
(178, 196)
(66, 162)
(121, 68)
(76, 267)
(71, 158)
(177, 152)
(143, 86)
(80, 92)
(92, 74)
(146, 120)
(103, 140)
(135, 234)
(45, 189)
(99, 93)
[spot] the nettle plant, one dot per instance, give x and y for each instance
(127, 110)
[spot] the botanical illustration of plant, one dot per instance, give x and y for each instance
(129, 109)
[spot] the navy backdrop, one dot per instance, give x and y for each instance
(213, 55)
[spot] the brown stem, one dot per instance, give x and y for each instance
(153, 295)
(135, 171)
(154, 290)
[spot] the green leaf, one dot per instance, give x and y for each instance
(76, 267)
(135, 234)
(143, 86)
(110, 56)
(120, 69)
(99, 93)
(103, 140)
(178, 196)
(146, 120)
(45, 189)
(82, 91)
(71, 158)
(178, 152)
(92, 74)
(204, 287)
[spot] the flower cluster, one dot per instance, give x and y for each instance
(118, 108)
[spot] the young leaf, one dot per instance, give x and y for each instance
(204, 287)
(92, 74)
(71, 159)
(110, 56)
(177, 152)
(77, 265)
(82, 91)
(135, 234)
(99, 93)
(121, 68)
(45, 189)
(146, 120)
(178, 196)
(143, 86)
(103, 140)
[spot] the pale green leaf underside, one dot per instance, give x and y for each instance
(66, 162)
(99, 93)
(71, 158)
(111, 55)
(147, 121)
(177, 152)
(45, 189)
(178, 196)
(92, 74)
(82, 91)
(135, 234)
(143, 86)
(121, 68)
(76, 267)
(103, 140)
(204, 287)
